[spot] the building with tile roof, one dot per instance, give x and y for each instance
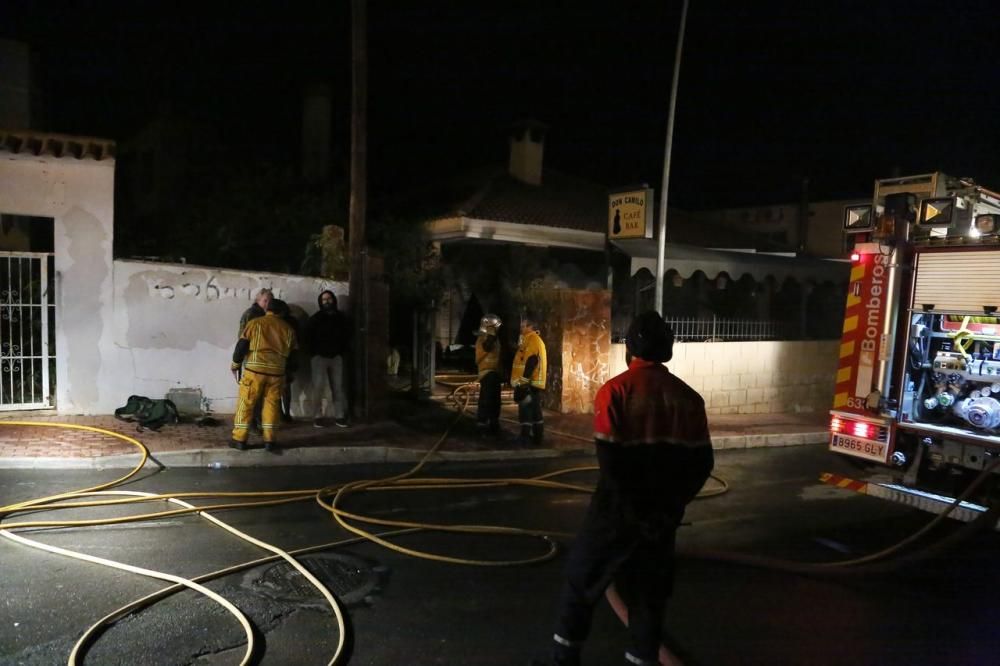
(488, 220)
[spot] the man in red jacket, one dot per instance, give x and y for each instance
(655, 453)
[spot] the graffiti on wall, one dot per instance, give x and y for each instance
(166, 307)
(206, 290)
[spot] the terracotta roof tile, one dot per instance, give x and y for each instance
(561, 201)
(42, 144)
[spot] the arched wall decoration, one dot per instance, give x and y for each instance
(686, 260)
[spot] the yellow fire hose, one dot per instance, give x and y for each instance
(67, 500)
(332, 498)
(53, 502)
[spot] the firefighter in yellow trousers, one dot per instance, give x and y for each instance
(527, 376)
(265, 352)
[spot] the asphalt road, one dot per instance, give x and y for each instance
(403, 610)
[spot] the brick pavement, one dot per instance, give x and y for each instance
(413, 425)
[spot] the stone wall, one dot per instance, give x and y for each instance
(578, 344)
(767, 377)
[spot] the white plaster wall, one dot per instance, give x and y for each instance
(79, 196)
(175, 326)
(131, 327)
(764, 377)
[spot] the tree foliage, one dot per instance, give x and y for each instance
(251, 216)
(413, 265)
(262, 217)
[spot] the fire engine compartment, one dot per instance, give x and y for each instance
(918, 388)
(951, 379)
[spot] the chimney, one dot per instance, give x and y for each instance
(527, 144)
(316, 134)
(16, 85)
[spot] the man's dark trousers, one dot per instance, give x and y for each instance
(488, 411)
(640, 564)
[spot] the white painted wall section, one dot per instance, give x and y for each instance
(175, 326)
(79, 196)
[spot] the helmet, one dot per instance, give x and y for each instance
(489, 324)
(650, 338)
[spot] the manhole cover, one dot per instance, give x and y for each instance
(351, 579)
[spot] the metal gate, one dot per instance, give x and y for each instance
(27, 331)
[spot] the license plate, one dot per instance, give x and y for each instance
(860, 448)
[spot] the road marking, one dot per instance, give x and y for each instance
(119, 526)
(834, 545)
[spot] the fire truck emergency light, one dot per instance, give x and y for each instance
(937, 212)
(836, 424)
(864, 430)
(859, 429)
(857, 219)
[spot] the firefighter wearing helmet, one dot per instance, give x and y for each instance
(488, 365)
(654, 452)
(527, 376)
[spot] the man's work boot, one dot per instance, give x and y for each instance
(555, 662)
(271, 447)
(537, 434)
(560, 658)
(238, 445)
(524, 439)
(639, 661)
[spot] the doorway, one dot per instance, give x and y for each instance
(27, 313)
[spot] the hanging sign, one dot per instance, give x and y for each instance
(630, 214)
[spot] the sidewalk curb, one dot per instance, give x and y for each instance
(257, 457)
(221, 458)
(727, 442)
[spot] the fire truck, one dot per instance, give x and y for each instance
(918, 384)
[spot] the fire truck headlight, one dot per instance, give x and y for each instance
(857, 219)
(937, 212)
(985, 224)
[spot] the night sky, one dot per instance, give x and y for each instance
(770, 92)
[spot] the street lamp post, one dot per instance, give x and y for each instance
(661, 239)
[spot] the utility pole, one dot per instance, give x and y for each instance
(359, 201)
(665, 187)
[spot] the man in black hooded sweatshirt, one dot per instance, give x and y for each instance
(328, 334)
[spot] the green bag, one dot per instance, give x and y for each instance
(147, 413)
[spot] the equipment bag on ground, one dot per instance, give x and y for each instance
(147, 413)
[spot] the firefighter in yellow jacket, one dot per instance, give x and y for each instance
(527, 376)
(488, 365)
(265, 352)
